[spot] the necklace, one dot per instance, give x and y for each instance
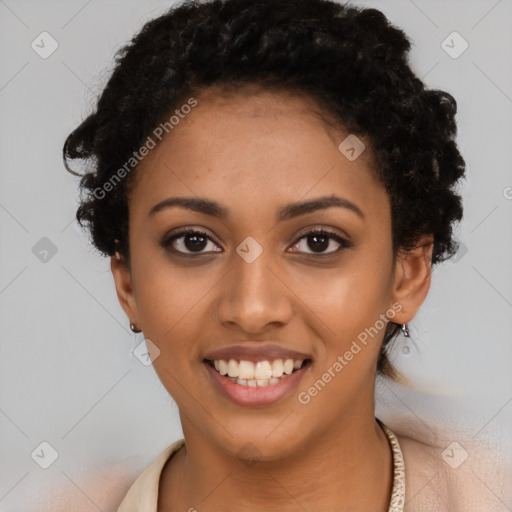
(398, 491)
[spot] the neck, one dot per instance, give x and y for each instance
(353, 460)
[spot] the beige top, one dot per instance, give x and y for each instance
(142, 496)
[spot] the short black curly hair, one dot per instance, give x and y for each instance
(351, 60)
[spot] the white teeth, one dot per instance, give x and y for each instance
(277, 368)
(261, 373)
(262, 370)
(233, 368)
(288, 366)
(246, 370)
(223, 367)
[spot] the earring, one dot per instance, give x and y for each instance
(405, 330)
(134, 328)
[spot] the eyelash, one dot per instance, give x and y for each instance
(167, 241)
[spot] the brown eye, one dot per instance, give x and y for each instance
(319, 241)
(188, 242)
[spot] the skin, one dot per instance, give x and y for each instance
(254, 152)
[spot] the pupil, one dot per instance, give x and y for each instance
(193, 242)
(323, 245)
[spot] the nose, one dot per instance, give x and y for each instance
(254, 296)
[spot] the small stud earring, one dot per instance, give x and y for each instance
(134, 328)
(405, 330)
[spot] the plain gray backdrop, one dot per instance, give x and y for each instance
(68, 377)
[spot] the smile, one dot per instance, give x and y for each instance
(256, 383)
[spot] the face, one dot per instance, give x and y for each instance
(288, 257)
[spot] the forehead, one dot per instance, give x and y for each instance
(266, 146)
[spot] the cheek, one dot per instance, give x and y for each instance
(169, 305)
(350, 306)
(350, 297)
(171, 302)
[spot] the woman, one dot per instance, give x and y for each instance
(272, 184)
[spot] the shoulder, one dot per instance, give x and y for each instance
(451, 476)
(144, 492)
(425, 484)
(108, 487)
(104, 487)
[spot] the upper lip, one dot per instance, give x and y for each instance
(258, 353)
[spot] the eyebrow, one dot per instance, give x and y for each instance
(289, 211)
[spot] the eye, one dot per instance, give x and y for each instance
(188, 242)
(319, 240)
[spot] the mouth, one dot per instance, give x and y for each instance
(256, 383)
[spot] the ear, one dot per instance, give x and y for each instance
(412, 278)
(124, 289)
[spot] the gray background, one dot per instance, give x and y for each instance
(67, 373)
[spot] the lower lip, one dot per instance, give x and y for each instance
(259, 395)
